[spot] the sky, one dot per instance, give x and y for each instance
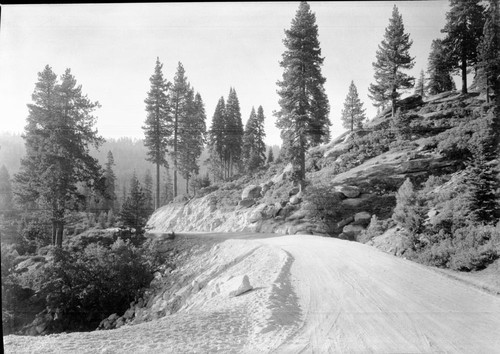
(111, 50)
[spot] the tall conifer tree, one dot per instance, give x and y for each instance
(234, 133)
(463, 29)
(420, 85)
(489, 49)
(58, 136)
(217, 140)
(148, 192)
(191, 137)
(392, 57)
(260, 134)
(254, 148)
(304, 108)
(180, 104)
(249, 137)
(157, 129)
(440, 79)
(110, 183)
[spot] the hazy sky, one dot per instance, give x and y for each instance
(112, 48)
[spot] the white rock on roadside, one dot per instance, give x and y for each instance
(237, 286)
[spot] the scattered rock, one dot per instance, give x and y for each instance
(362, 218)
(245, 203)
(295, 199)
(352, 229)
(349, 191)
(353, 202)
(251, 192)
(265, 187)
(345, 222)
(257, 213)
(237, 286)
(129, 313)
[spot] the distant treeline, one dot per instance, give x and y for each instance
(129, 155)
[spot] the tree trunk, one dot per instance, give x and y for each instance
(157, 201)
(464, 74)
(54, 231)
(302, 161)
(59, 233)
(175, 145)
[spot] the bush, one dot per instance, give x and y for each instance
(409, 211)
(87, 286)
(325, 205)
(375, 228)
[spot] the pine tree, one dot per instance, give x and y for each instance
(482, 169)
(304, 108)
(6, 203)
(134, 213)
(408, 212)
(392, 57)
(270, 156)
(192, 130)
(420, 85)
(58, 134)
(353, 113)
(260, 134)
(179, 101)
(110, 182)
(440, 79)
(167, 189)
(148, 192)
(489, 50)
(111, 218)
(234, 133)
(254, 148)
(463, 29)
(248, 136)
(157, 129)
(217, 141)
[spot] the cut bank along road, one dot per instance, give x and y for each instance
(355, 298)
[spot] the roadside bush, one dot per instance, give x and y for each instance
(87, 286)
(325, 205)
(437, 255)
(375, 228)
(475, 247)
(409, 210)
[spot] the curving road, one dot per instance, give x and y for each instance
(355, 298)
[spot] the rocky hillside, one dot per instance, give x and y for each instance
(355, 176)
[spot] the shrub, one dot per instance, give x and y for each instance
(438, 254)
(409, 211)
(87, 286)
(325, 205)
(375, 228)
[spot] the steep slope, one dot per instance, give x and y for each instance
(311, 294)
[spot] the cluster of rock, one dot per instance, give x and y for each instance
(353, 225)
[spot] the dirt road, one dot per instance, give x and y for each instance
(321, 295)
(358, 299)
